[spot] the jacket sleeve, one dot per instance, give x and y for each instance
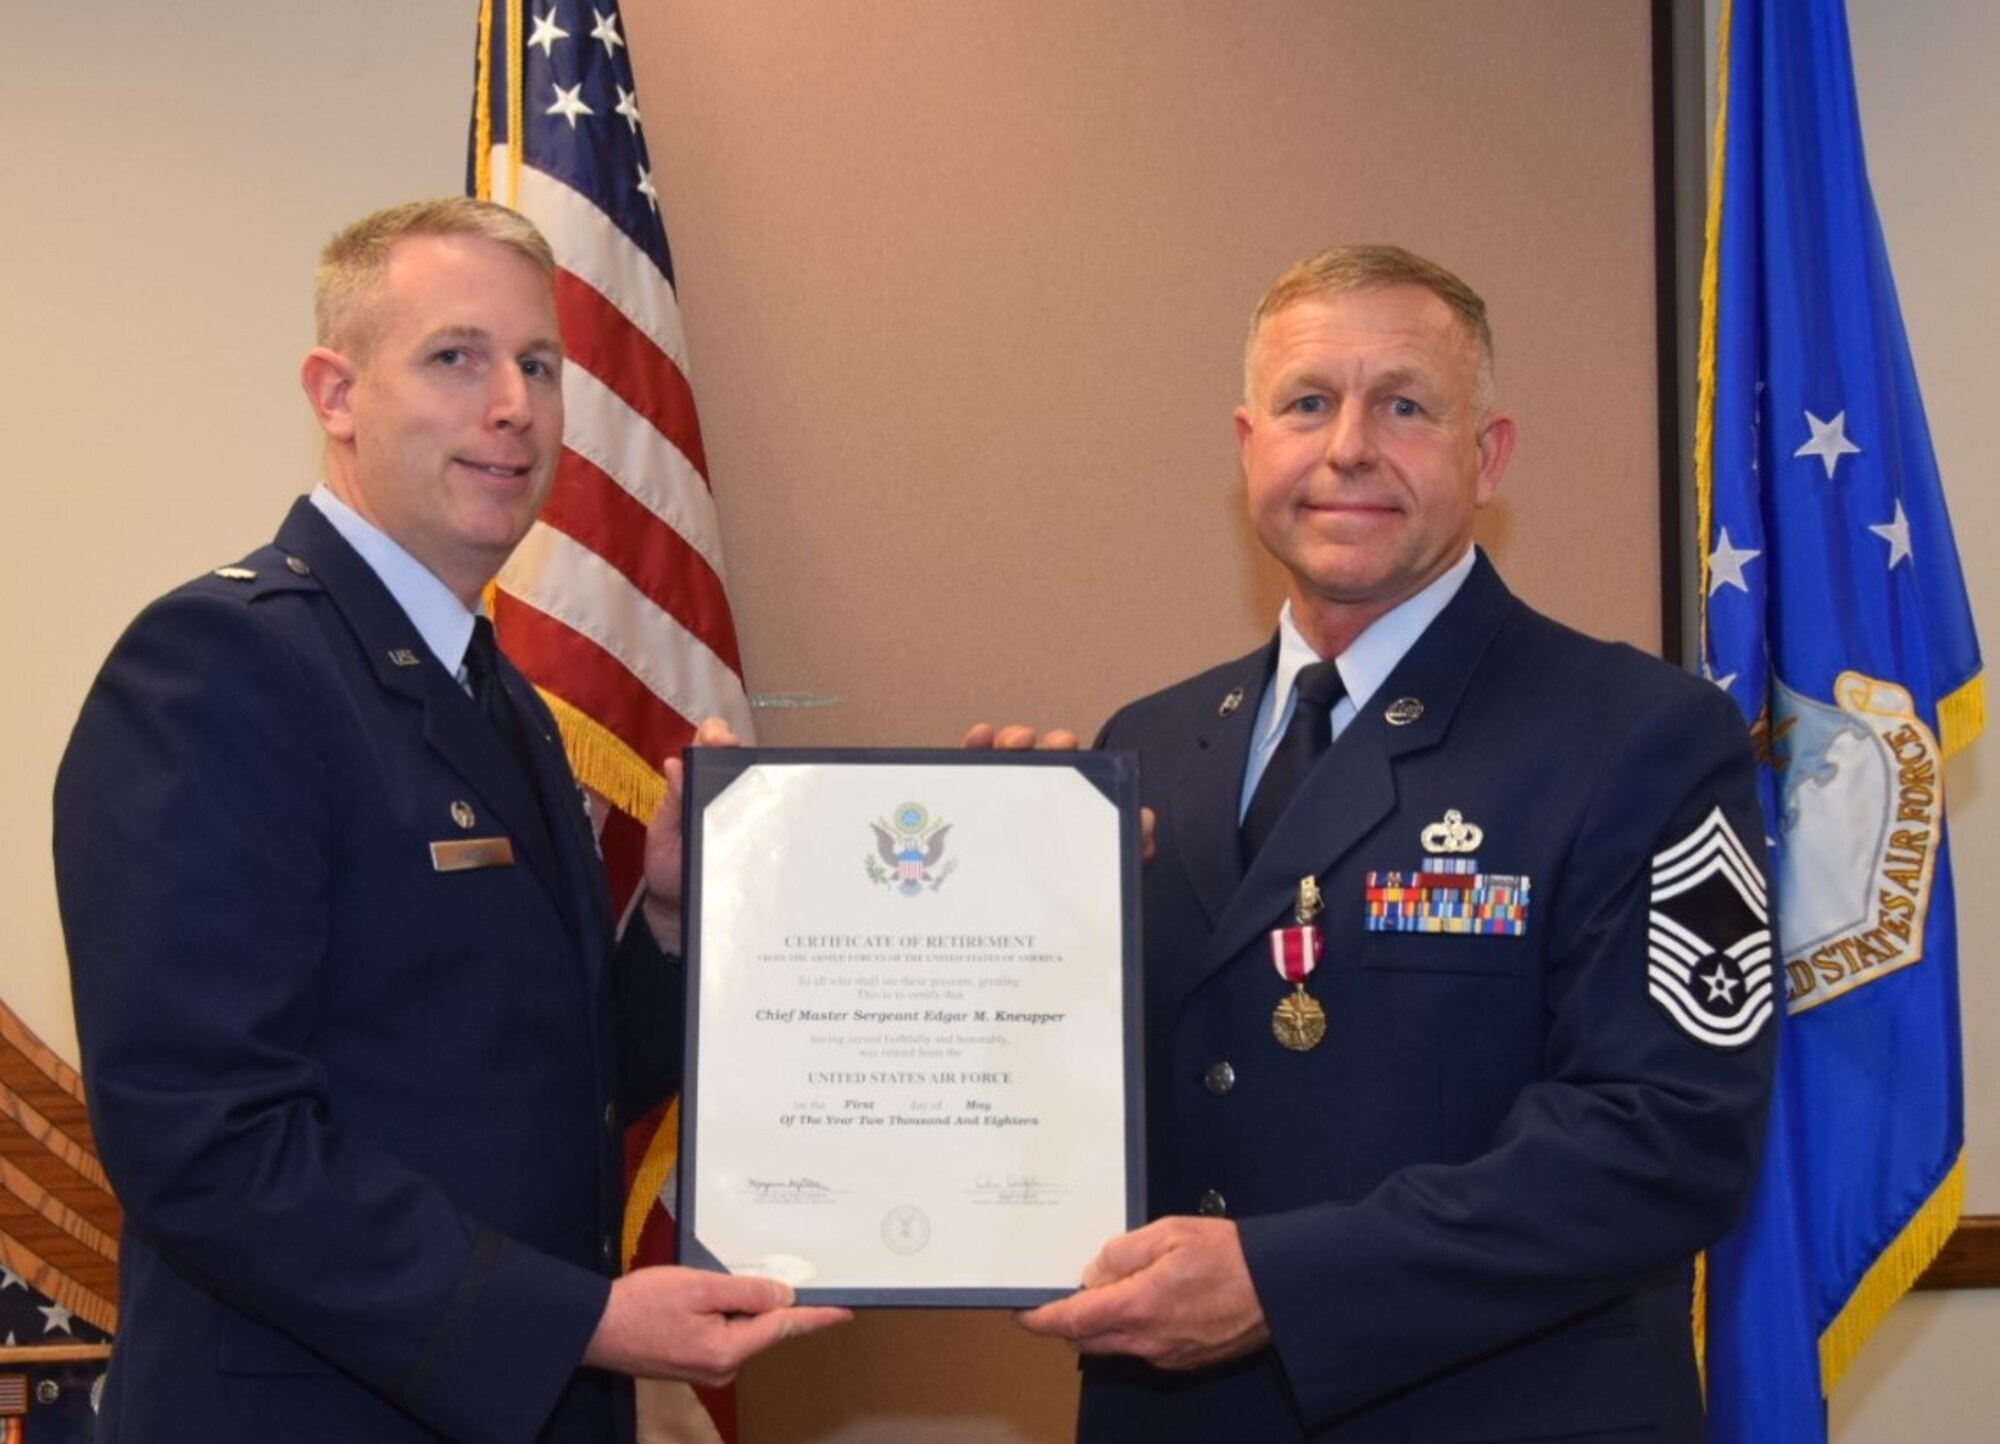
(1631, 1153)
(195, 817)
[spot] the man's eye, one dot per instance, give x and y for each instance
(452, 356)
(1310, 405)
(536, 367)
(1403, 406)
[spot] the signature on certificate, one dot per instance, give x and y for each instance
(1017, 1189)
(791, 1190)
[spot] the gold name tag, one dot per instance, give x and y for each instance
(464, 854)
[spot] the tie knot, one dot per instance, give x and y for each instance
(1319, 686)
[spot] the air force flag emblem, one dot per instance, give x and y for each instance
(1709, 939)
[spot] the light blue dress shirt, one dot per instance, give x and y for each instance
(1364, 666)
(433, 609)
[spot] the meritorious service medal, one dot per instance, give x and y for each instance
(1299, 1022)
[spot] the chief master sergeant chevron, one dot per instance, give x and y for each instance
(1458, 1051)
(356, 1038)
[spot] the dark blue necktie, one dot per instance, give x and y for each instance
(482, 672)
(1307, 736)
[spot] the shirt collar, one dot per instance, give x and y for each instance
(438, 615)
(1369, 658)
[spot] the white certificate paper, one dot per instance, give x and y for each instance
(912, 1048)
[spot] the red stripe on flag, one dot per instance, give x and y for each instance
(599, 338)
(590, 679)
(599, 513)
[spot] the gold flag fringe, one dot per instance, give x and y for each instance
(1962, 715)
(1699, 1312)
(482, 107)
(603, 762)
(1900, 1265)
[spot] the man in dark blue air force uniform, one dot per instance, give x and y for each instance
(1459, 985)
(357, 1041)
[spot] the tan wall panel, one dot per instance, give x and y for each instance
(965, 289)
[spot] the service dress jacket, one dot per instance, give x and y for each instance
(361, 1098)
(1470, 1212)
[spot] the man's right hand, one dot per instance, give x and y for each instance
(1017, 738)
(984, 736)
(681, 1323)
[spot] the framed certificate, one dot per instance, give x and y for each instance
(913, 1050)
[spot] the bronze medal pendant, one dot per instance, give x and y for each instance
(1299, 1022)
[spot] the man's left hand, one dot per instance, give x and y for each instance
(663, 842)
(1175, 1293)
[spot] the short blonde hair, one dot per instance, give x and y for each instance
(1339, 270)
(353, 263)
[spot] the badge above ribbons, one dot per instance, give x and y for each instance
(1448, 893)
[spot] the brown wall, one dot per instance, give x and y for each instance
(965, 288)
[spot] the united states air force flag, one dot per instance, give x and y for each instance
(1835, 615)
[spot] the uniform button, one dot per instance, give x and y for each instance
(606, 1252)
(298, 566)
(1220, 1077)
(1212, 1205)
(611, 1118)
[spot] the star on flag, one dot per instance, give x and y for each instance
(606, 30)
(58, 1319)
(1897, 534)
(547, 33)
(569, 104)
(1726, 563)
(1829, 441)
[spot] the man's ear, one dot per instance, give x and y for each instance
(328, 378)
(1496, 449)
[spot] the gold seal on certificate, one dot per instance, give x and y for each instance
(912, 1072)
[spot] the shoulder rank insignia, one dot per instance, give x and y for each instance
(237, 574)
(1447, 893)
(1708, 937)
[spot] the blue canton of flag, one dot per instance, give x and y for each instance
(1835, 614)
(558, 90)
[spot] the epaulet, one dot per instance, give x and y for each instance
(266, 571)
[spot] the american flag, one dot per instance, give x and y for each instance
(614, 604)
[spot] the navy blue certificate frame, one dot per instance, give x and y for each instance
(710, 772)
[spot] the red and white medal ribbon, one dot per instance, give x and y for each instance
(1295, 952)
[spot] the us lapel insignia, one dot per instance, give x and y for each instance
(236, 574)
(1403, 711)
(404, 657)
(1708, 937)
(1447, 893)
(462, 814)
(1230, 703)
